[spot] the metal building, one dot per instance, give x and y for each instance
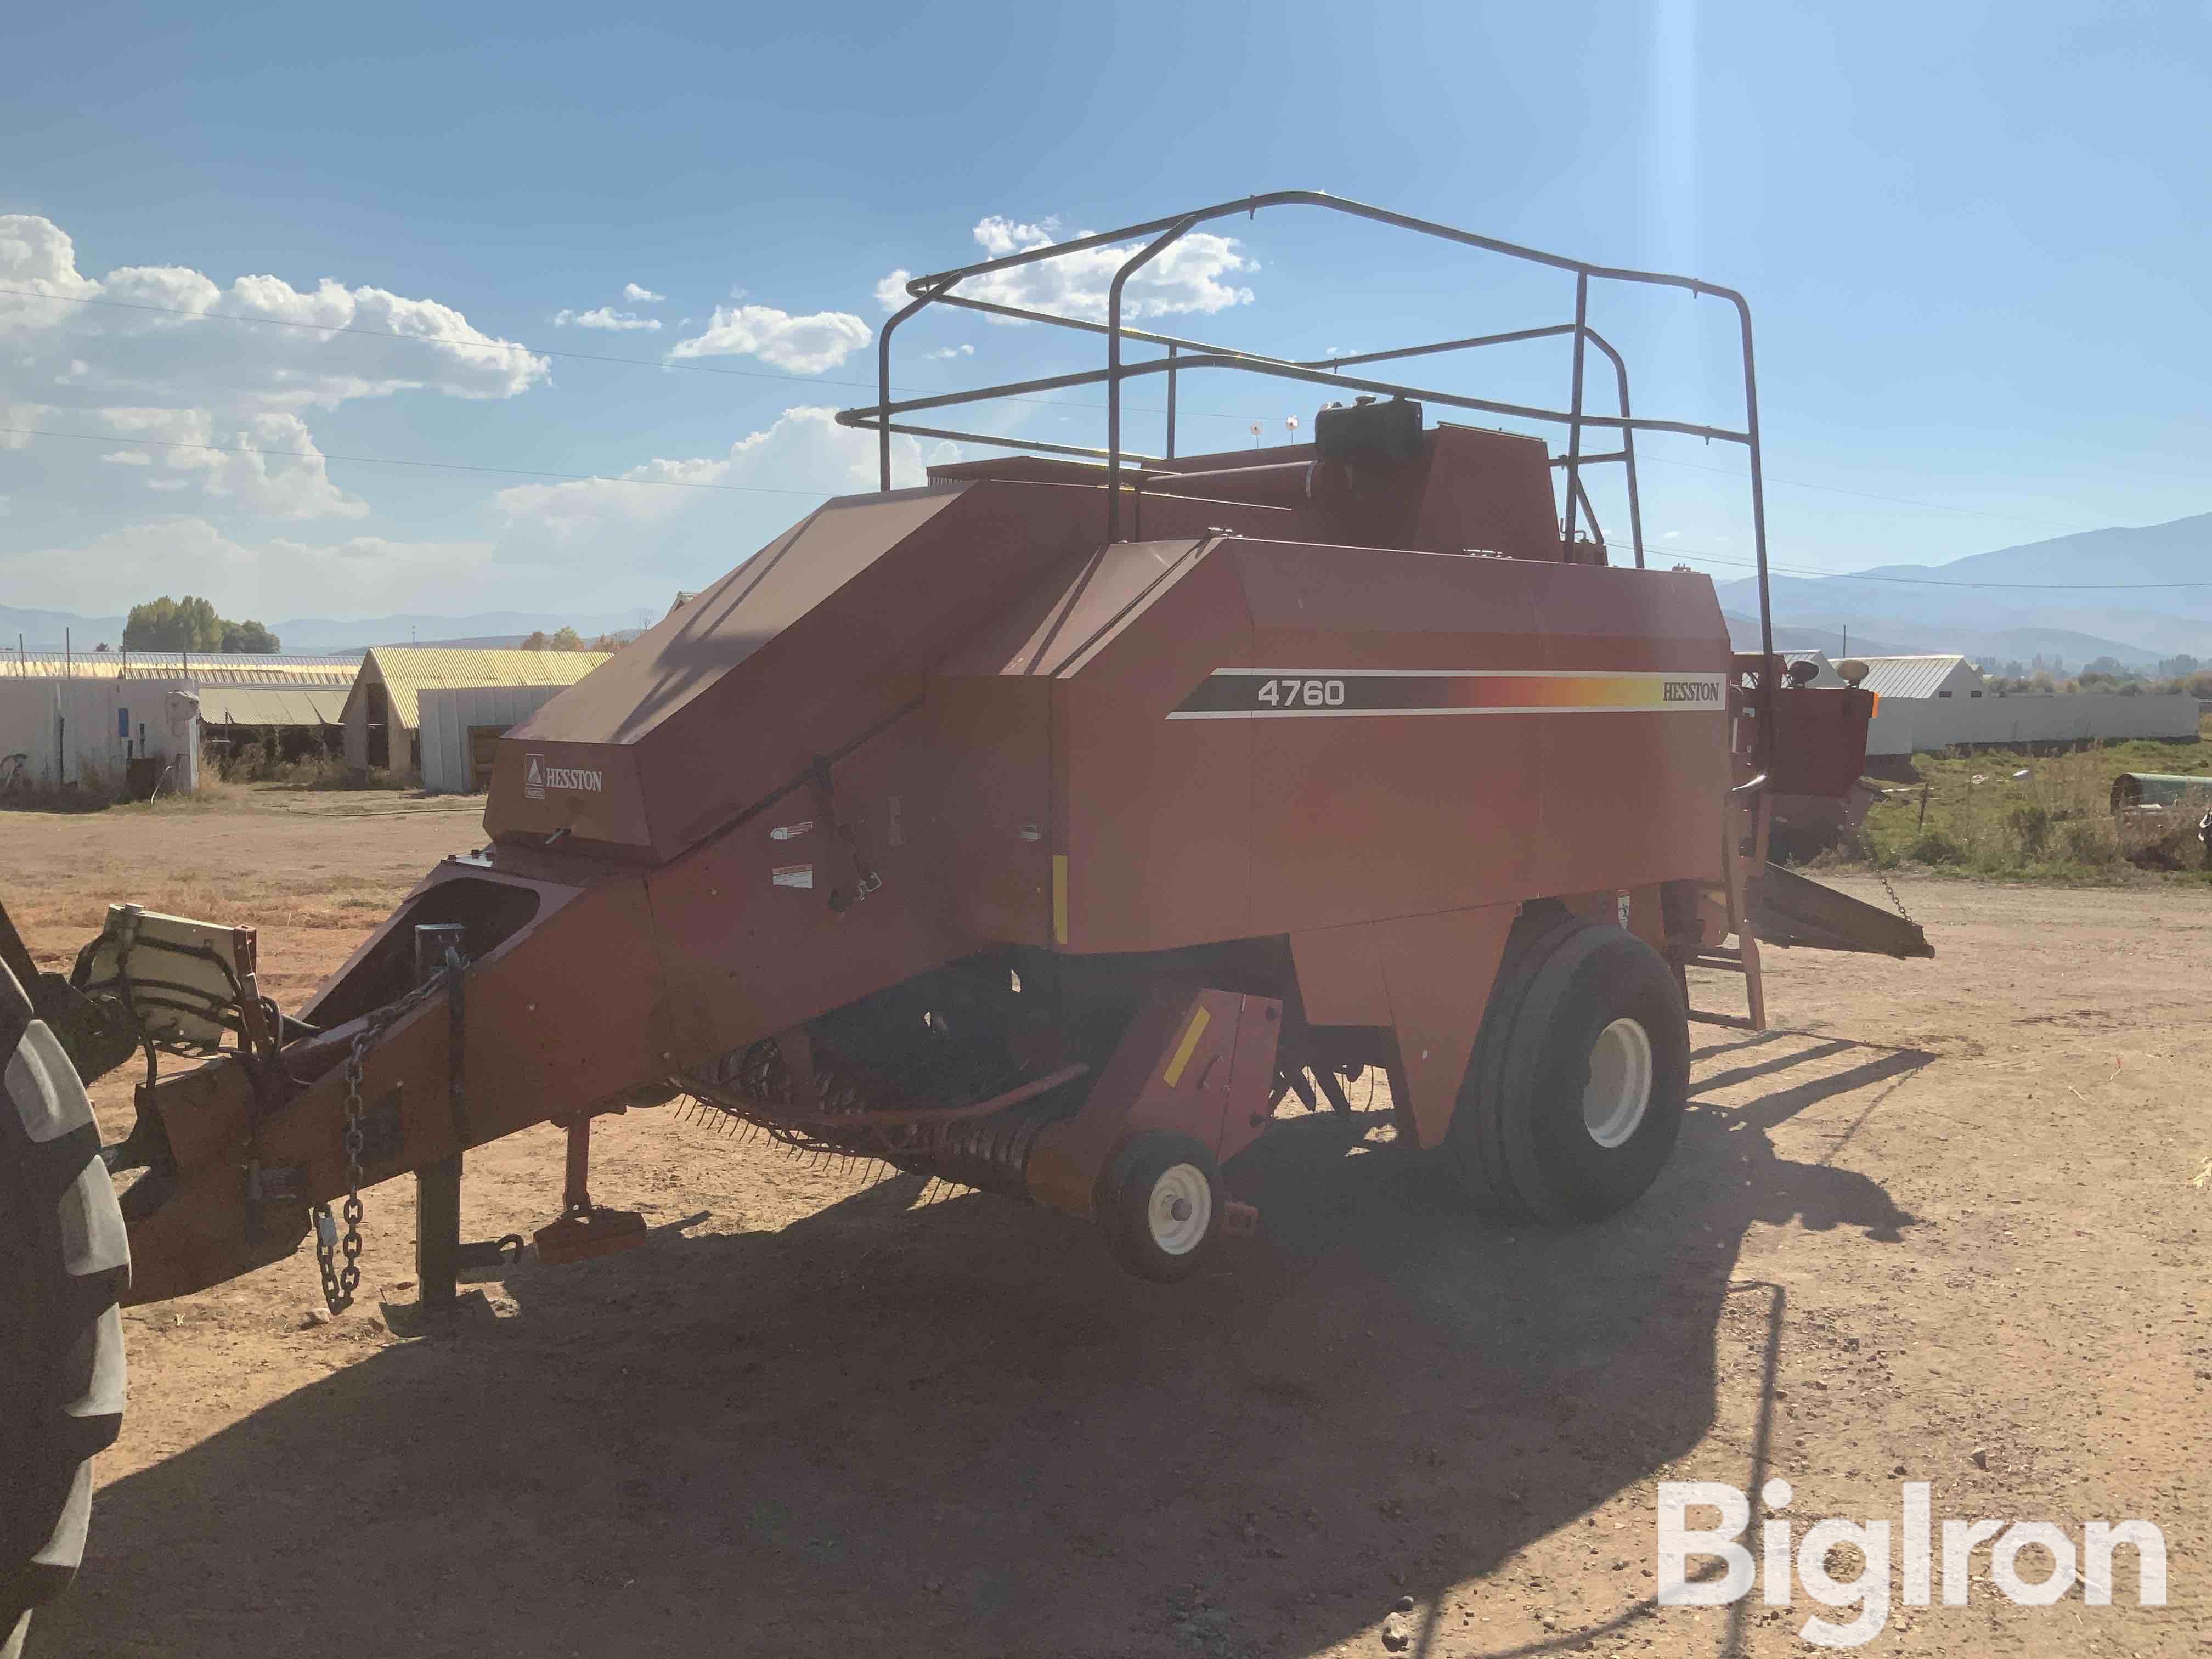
(1931, 676)
(81, 719)
(460, 729)
(383, 713)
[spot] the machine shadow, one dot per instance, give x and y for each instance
(958, 1430)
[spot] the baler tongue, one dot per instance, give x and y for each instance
(1791, 909)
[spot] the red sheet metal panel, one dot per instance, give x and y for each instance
(1157, 821)
(795, 654)
(1279, 737)
(1491, 490)
(747, 939)
(1199, 1060)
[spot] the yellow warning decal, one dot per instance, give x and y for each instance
(1060, 898)
(1191, 1034)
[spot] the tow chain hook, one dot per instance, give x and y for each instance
(340, 1282)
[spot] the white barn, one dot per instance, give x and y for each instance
(382, 713)
(1933, 702)
(461, 726)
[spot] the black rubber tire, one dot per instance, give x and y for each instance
(1517, 1143)
(1123, 1202)
(64, 1263)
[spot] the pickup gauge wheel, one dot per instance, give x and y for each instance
(1159, 1205)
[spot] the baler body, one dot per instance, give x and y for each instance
(1363, 758)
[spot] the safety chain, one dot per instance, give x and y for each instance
(1892, 891)
(339, 1283)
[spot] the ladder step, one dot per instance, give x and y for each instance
(1734, 1022)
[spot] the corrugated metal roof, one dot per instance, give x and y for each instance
(1912, 677)
(236, 668)
(407, 670)
(272, 705)
(1827, 677)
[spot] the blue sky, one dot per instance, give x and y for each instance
(1974, 239)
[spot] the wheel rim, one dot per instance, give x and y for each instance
(1618, 1091)
(1180, 1209)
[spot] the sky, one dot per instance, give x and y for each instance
(1973, 239)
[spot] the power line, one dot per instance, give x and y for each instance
(865, 385)
(689, 368)
(819, 495)
(1868, 495)
(794, 380)
(1921, 581)
(442, 466)
(684, 367)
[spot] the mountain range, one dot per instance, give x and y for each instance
(2137, 594)
(47, 630)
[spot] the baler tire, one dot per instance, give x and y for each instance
(1134, 1180)
(64, 1261)
(1592, 996)
(1474, 1146)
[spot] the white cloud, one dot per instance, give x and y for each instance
(638, 294)
(961, 350)
(1188, 277)
(604, 316)
(265, 462)
(270, 464)
(890, 292)
(806, 451)
(174, 341)
(802, 345)
(269, 580)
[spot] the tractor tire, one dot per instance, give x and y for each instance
(1574, 1096)
(64, 1261)
(1160, 1205)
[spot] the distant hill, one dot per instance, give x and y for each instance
(1743, 635)
(484, 628)
(512, 642)
(1935, 608)
(319, 634)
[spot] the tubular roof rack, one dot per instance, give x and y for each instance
(1183, 355)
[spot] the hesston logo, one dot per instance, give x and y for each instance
(538, 777)
(1690, 692)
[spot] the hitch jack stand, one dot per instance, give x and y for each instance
(585, 1230)
(438, 1186)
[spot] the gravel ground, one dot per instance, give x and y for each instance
(1938, 1225)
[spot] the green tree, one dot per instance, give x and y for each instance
(567, 639)
(167, 624)
(190, 624)
(249, 636)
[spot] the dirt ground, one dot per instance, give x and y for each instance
(1939, 1224)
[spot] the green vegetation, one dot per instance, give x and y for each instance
(190, 625)
(568, 639)
(1971, 813)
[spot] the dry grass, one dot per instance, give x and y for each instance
(263, 762)
(349, 903)
(1997, 813)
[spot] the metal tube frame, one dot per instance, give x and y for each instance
(1185, 355)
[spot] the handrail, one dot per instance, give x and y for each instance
(1184, 355)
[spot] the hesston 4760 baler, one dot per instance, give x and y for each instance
(1045, 828)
